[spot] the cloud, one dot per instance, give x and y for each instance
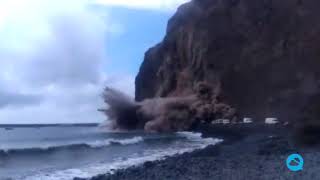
(17, 99)
(52, 55)
(159, 5)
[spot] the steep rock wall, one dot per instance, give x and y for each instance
(262, 57)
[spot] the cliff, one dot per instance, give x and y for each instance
(260, 57)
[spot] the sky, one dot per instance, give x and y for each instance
(56, 56)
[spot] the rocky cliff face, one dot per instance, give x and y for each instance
(261, 57)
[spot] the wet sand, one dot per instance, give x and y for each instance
(248, 152)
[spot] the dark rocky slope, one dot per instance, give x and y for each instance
(261, 57)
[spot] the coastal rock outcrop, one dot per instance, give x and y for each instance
(262, 58)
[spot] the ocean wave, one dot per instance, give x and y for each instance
(190, 135)
(197, 142)
(107, 142)
(71, 145)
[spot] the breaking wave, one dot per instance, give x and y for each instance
(71, 145)
(195, 142)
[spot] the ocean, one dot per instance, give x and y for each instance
(66, 152)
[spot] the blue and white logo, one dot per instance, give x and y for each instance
(295, 162)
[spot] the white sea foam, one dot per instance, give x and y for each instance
(196, 142)
(97, 144)
(190, 135)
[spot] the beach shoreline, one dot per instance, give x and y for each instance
(247, 152)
